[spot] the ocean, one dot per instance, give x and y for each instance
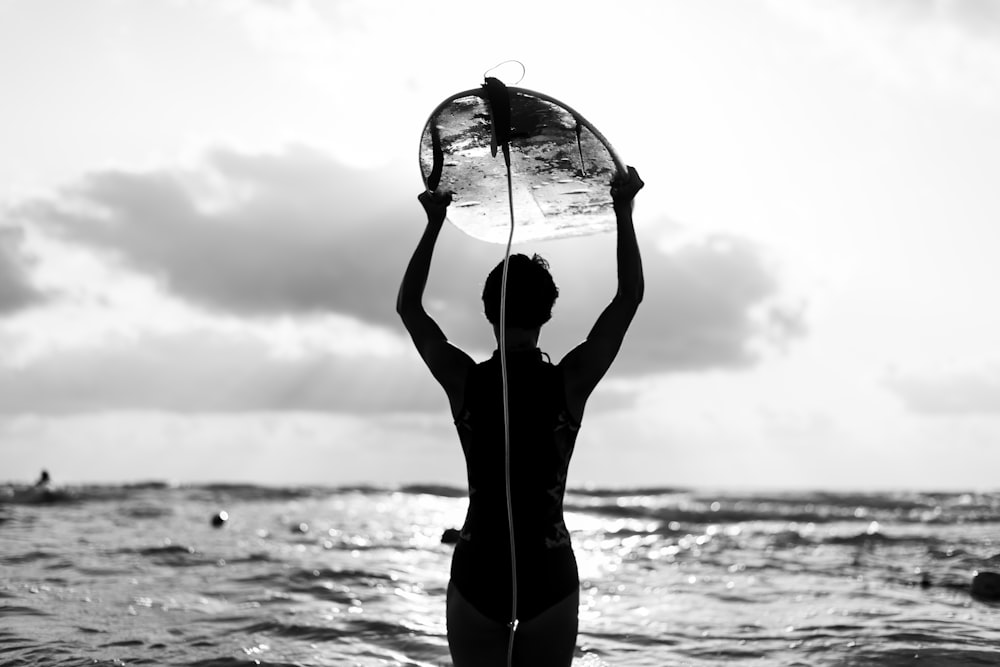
(356, 576)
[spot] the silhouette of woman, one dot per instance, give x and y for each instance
(545, 404)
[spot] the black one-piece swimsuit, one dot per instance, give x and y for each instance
(542, 437)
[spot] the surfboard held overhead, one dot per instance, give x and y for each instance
(561, 166)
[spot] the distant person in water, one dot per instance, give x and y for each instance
(43, 480)
(546, 404)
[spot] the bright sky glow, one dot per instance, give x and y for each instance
(205, 210)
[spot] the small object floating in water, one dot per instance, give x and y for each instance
(220, 519)
(986, 586)
(450, 536)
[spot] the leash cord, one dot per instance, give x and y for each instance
(506, 416)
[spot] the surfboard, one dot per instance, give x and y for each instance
(561, 167)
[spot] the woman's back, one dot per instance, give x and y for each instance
(542, 438)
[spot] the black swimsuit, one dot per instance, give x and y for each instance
(542, 436)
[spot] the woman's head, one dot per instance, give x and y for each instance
(531, 292)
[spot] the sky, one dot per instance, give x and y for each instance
(206, 209)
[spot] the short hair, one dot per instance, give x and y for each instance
(531, 292)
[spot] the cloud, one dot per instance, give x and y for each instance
(16, 290)
(958, 391)
(216, 371)
(205, 371)
(295, 234)
(710, 302)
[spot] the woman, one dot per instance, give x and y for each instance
(545, 408)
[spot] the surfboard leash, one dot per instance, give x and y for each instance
(499, 105)
(506, 425)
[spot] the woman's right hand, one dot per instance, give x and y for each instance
(435, 205)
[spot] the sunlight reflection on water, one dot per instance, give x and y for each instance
(358, 577)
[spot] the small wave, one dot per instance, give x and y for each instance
(124, 642)
(665, 504)
(30, 495)
(351, 575)
(165, 549)
(27, 557)
(709, 514)
(151, 484)
(15, 494)
(254, 492)
(146, 511)
(918, 653)
(229, 661)
(322, 584)
(861, 539)
(171, 555)
(257, 557)
(434, 490)
(311, 633)
(10, 610)
(598, 492)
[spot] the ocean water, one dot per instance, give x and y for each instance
(138, 575)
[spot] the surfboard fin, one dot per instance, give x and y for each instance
(498, 102)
